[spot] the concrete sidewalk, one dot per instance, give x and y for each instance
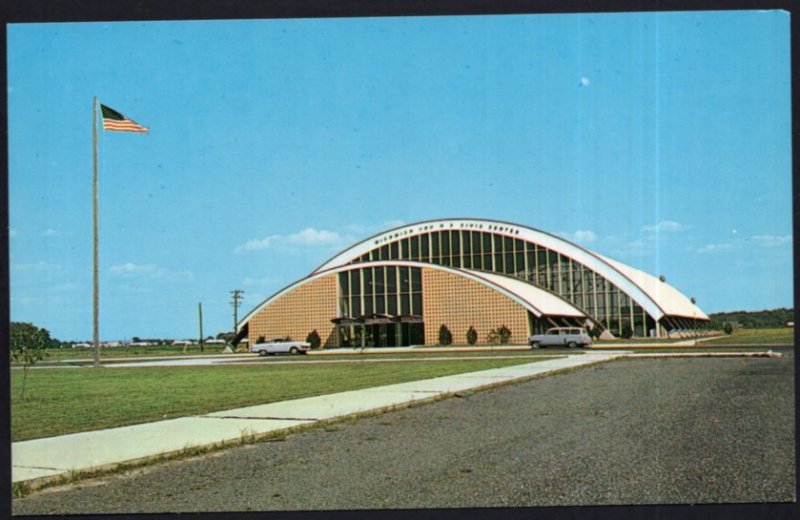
(55, 456)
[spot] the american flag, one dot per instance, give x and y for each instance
(116, 122)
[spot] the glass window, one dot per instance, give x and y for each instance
(415, 248)
(405, 304)
(445, 235)
(468, 261)
(519, 268)
(369, 287)
(391, 304)
(404, 249)
(455, 243)
(394, 252)
(405, 280)
(508, 245)
(385, 252)
(380, 303)
(368, 308)
(487, 262)
(423, 248)
(379, 280)
(465, 243)
(486, 241)
(355, 283)
(355, 302)
(509, 262)
(391, 280)
(435, 244)
(416, 303)
(416, 280)
(344, 283)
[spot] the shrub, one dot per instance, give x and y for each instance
(627, 332)
(445, 336)
(314, 339)
(504, 334)
(596, 331)
(472, 336)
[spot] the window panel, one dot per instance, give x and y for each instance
(385, 252)
(416, 303)
(405, 304)
(404, 249)
(391, 280)
(465, 243)
(415, 248)
(369, 284)
(445, 239)
(344, 283)
(378, 280)
(455, 243)
(424, 247)
(416, 280)
(394, 252)
(405, 280)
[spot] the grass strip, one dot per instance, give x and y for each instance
(61, 401)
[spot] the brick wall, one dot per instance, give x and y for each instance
(460, 303)
(298, 312)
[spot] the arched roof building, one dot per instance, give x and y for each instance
(398, 287)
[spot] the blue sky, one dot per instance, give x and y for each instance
(658, 139)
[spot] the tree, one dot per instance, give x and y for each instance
(503, 334)
(445, 336)
(28, 344)
(472, 335)
(314, 339)
(728, 328)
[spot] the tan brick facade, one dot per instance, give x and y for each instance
(298, 312)
(459, 303)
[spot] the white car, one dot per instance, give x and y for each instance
(561, 337)
(280, 346)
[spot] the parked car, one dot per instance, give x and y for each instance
(280, 346)
(561, 336)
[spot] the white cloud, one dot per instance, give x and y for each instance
(585, 81)
(313, 237)
(50, 233)
(584, 236)
(149, 271)
(666, 226)
(772, 240)
(308, 237)
(715, 248)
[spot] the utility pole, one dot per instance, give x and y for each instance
(96, 291)
(200, 318)
(236, 298)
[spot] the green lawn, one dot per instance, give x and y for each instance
(55, 354)
(60, 401)
(756, 337)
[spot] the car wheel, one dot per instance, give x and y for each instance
(572, 344)
(535, 345)
(293, 351)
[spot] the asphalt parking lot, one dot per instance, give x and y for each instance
(656, 431)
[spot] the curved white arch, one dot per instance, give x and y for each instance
(538, 301)
(657, 300)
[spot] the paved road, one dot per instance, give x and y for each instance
(626, 432)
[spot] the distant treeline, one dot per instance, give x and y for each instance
(753, 319)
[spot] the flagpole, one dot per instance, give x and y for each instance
(96, 294)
